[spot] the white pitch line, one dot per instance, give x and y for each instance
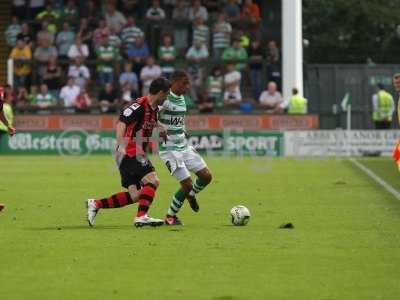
(375, 177)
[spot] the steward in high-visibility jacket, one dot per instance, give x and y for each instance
(9, 115)
(297, 104)
(383, 108)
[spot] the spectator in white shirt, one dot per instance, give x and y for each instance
(232, 79)
(197, 53)
(272, 99)
(79, 72)
(114, 18)
(155, 12)
(149, 72)
(69, 93)
(78, 49)
(197, 10)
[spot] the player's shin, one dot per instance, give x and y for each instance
(176, 203)
(117, 200)
(146, 196)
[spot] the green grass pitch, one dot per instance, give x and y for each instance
(345, 244)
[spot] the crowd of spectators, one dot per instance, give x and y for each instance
(83, 54)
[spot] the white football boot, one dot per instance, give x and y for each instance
(147, 221)
(92, 211)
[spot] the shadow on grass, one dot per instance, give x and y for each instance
(80, 227)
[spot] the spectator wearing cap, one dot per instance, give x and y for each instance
(114, 18)
(21, 54)
(197, 10)
(69, 93)
(12, 32)
(155, 12)
(236, 53)
(65, 39)
(222, 31)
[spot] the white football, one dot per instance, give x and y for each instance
(240, 215)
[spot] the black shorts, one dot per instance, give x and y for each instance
(133, 169)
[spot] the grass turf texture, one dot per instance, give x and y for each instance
(345, 244)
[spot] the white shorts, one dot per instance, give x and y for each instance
(181, 163)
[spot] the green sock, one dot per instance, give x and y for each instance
(176, 203)
(198, 186)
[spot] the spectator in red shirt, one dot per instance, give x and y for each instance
(251, 12)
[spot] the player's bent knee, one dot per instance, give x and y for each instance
(206, 177)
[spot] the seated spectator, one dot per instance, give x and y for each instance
(12, 32)
(155, 12)
(80, 73)
(25, 35)
(78, 50)
(180, 14)
(232, 79)
(70, 13)
(129, 77)
(83, 101)
(22, 55)
(236, 53)
(69, 93)
(84, 32)
(137, 54)
(22, 99)
(251, 12)
(149, 72)
(115, 19)
(221, 36)
(65, 39)
(197, 10)
(99, 33)
(232, 11)
(167, 56)
(256, 58)
(45, 33)
(215, 87)
(108, 98)
(272, 99)
(106, 56)
(130, 32)
(201, 32)
(52, 76)
(32, 94)
(44, 99)
(43, 53)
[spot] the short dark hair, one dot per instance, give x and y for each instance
(380, 86)
(159, 84)
(295, 91)
(178, 75)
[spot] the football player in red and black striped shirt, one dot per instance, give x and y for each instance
(134, 130)
(3, 119)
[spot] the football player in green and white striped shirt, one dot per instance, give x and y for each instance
(179, 157)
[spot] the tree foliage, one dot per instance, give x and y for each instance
(352, 31)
